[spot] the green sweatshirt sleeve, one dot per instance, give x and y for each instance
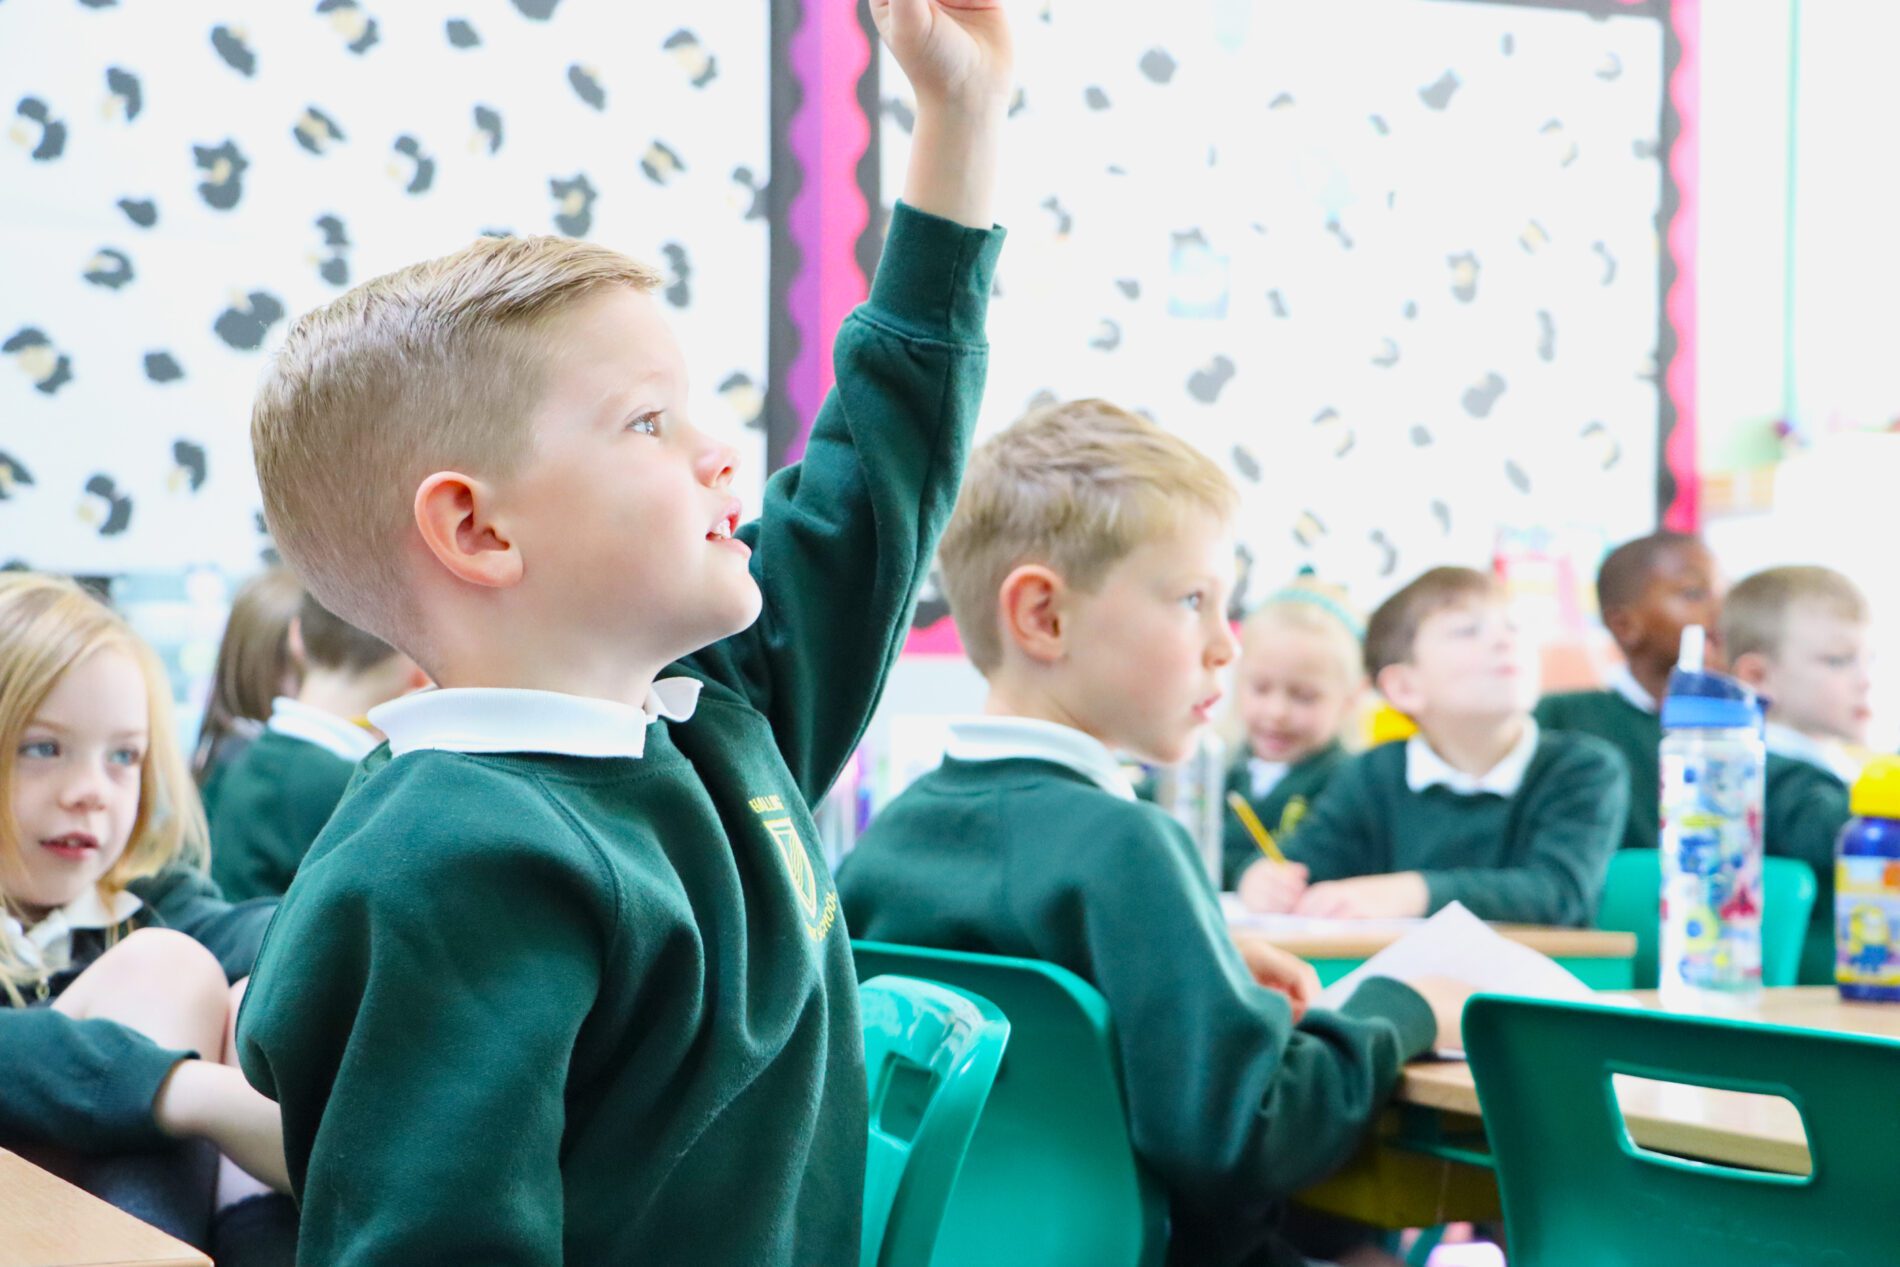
(187, 899)
(844, 540)
(1805, 811)
(417, 1030)
(1341, 835)
(1571, 820)
(84, 1085)
(1225, 1093)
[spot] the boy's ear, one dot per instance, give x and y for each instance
(455, 514)
(1029, 604)
(293, 638)
(1753, 670)
(1625, 625)
(1399, 684)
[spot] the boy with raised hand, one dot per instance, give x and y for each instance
(1800, 636)
(1648, 590)
(1481, 806)
(564, 980)
(1088, 568)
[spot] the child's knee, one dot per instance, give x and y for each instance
(168, 963)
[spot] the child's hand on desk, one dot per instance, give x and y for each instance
(1280, 970)
(1397, 896)
(1272, 888)
(1446, 998)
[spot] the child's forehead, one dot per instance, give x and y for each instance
(1678, 562)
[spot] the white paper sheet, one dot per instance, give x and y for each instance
(1238, 916)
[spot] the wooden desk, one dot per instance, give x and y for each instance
(46, 1222)
(1427, 1162)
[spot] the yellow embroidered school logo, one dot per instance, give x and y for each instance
(1290, 816)
(798, 868)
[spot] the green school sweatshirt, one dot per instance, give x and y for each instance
(1280, 810)
(273, 799)
(1804, 811)
(1538, 857)
(1633, 732)
(539, 1009)
(89, 1085)
(1233, 1105)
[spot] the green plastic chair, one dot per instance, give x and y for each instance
(1051, 1179)
(1578, 1193)
(930, 1058)
(1632, 903)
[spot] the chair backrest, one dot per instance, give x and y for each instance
(1051, 1179)
(1576, 1191)
(930, 1058)
(1632, 903)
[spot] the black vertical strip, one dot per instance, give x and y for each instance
(870, 173)
(1671, 202)
(786, 179)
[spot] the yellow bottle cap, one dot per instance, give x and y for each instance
(1876, 792)
(1388, 723)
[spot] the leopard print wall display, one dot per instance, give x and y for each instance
(178, 181)
(1395, 263)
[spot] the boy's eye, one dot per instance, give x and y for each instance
(43, 748)
(1194, 601)
(646, 424)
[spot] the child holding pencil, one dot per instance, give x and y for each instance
(1300, 683)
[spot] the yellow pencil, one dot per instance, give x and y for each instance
(1255, 828)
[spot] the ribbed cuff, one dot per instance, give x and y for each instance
(934, 279)
(1383, 998)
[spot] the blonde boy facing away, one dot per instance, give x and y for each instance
(563, 980)
(1800, 636)
(1480, 807)
(1088, 568)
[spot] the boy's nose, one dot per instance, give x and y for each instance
(1225, 646)
(717, 462)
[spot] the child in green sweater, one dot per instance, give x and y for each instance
(1299, 684)
(275, 796)
(1800, 636)
(1088, 568)
(116, 952)
(564, 979)
(1480, 807)
(1648, 590)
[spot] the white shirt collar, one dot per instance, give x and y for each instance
(499, 719)
(333, 734)
(48, 944)
(1001, 738)
(1624, 683)
(1787, 742)
(1263, 775)
(1424, 767)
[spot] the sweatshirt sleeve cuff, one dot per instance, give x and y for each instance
(934, 278)
(1385, 999)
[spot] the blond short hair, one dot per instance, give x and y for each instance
(48, 625)
(436, 366)
(1755, 613)
(1393, 629)
(1312, 607)
(1075, 487)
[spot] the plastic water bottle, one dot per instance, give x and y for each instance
(1713, 778)
(1193, 793)
(1867, 888)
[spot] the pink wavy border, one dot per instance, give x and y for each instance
(1684, 514)
(827, 137)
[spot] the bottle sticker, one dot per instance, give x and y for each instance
(1866, 917)
(1711, 865)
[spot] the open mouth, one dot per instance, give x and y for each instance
(1205, 709)
(727, 523)
(76, 844)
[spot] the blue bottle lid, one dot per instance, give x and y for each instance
(1699, 699)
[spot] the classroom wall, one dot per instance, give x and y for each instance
(180, 180)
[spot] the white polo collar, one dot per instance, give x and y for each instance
(1263, 775)
(48, 944)
(1425, 768)
(1788, 742)
(1624, 683)
(1004, 738)
(337, 735)
(498, 719)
